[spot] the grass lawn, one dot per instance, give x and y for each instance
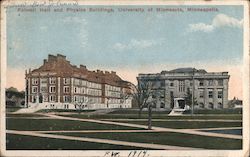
(12, 109)
(63, 110)
(54, 124)
(188, 124)
(200, 111)
(167, 138)
(22, 142)
(24, 115)
(156, 116)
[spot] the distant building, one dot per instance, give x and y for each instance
(210, 88)
(59, 85)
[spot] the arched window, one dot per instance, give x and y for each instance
(210, 105)
(220, 105)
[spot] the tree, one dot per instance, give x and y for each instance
(143, 94)
(188, 98)
(80, 106)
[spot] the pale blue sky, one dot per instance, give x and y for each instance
(127, 40)
(128, 43)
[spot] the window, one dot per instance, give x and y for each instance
(34, 81)
(66, 80)
(52, 80)
(33, 99)
(75, 98)
(181, 86)
(201, 94)
(220, 94)
(66, 98)
(220, 82)
(52, 98)
(210, 94)
(210, 82)
(66, 89)
(171, 84)
(210, 105)
(52, 89)
(191, 84)
(201, 83)
(34, 89)
(220, 106)
(75, 89)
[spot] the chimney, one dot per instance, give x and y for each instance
(83, 67)
(51, 58)
(113, 72)
(106, 72)
(98, 71)
(44, 61)
(59, 56)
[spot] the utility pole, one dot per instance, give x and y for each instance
(192, 109)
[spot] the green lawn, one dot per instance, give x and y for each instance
(63, 110)
(54, 124)
(24, 115)
(156, 116)
(201, 111)
(12, 109)
(22, 142)
(167, 138)
(187, 124)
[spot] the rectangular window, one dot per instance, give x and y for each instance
(181, 86)
(66, 89)
(171, 84)
(34, 89)
(220, 94)
(34, 81)
(66, 81)
(75, 98)
(201, 93)
(52, 89)
(67, 98)
(52, 80)
(52, 98)
(33, 98)
(201, 83)
(191, 84)
(210, 94)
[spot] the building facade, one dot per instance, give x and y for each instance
(210, 88)
(59, 85)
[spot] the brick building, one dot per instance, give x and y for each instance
(210, 88)
(59, 85)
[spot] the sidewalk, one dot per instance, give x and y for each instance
(186, 131)
(105, 141)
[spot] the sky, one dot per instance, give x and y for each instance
(128, 42)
